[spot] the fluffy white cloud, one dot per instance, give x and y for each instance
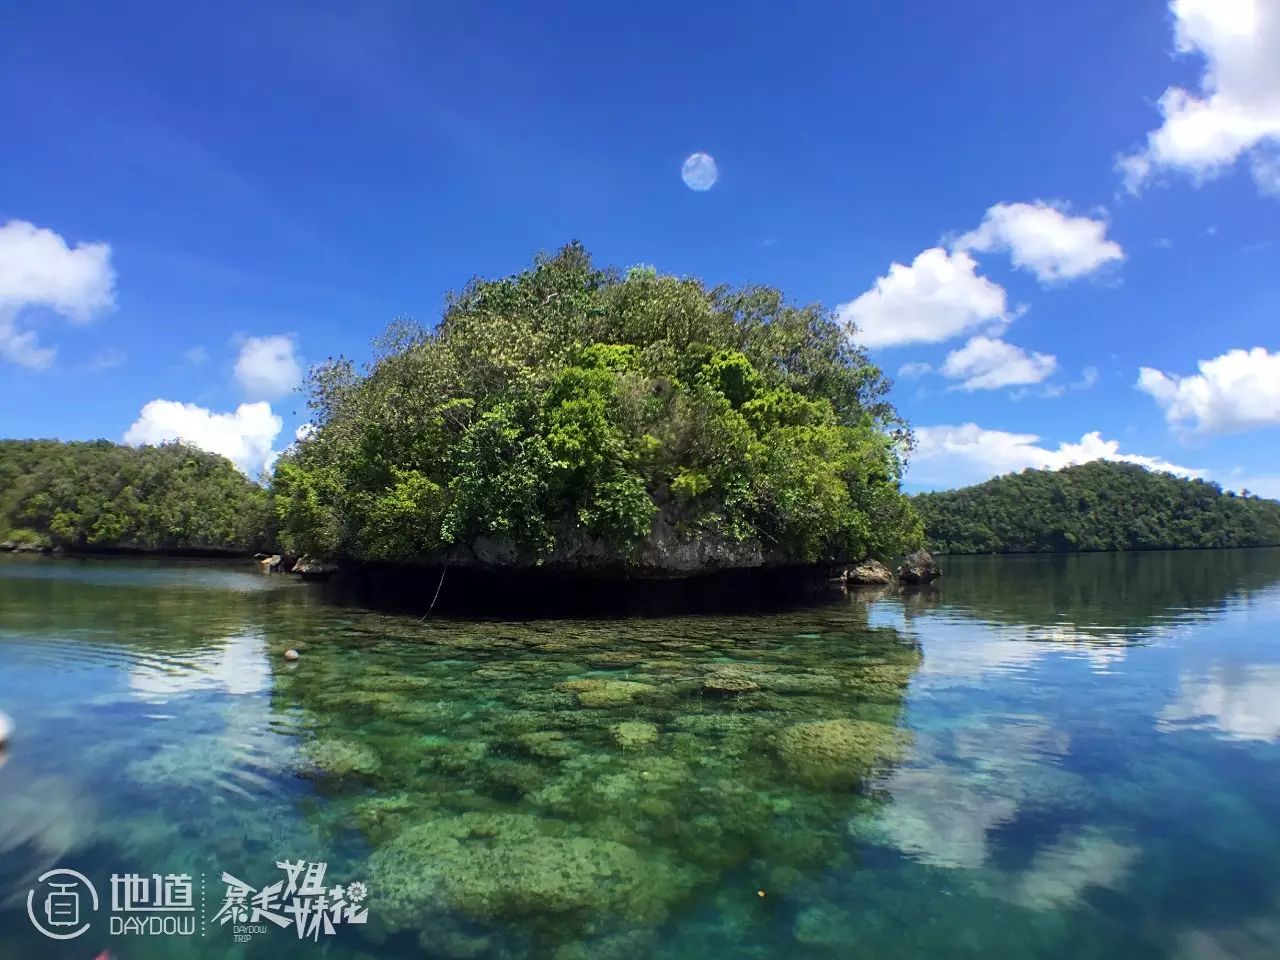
(941, 295)
(938, 297)
(245, 437)
(268, 367)
(1044, 240)
(988, 364)
(1237, 108)
(1239, 390)
(38, 270)
(966, 453)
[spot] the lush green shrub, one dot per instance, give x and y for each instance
(569, 400)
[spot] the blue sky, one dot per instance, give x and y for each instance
(1083, 201)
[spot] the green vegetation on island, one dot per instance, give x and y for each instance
(108, 496)
(1094, 506)
(587, 418)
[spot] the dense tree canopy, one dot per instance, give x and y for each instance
(101, 494)
(1094, 506)
(573, 405)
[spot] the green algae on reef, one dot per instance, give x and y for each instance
(561, 787)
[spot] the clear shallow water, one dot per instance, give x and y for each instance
(1063, 757)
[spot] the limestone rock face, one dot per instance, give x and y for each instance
(920, 567)
(869, 573)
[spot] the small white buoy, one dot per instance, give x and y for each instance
(6, 729)
(291, 654)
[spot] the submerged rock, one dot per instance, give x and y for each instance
(728, 683)
(339, 758)
(595, 692)
(837, 753)
(291, 654)
(498, 866)
(920, 567)
(309, 569)
(824, 925)
(869, 573)
(634, 733)
(6, 730)
(549, 744)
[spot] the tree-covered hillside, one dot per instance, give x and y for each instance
(104, 495)
(1094, 506)
(582, 417)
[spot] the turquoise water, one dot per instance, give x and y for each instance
(1043, 757)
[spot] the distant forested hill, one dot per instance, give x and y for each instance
(104, 495)
(1094, 506)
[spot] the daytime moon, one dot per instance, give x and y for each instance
(699, 171)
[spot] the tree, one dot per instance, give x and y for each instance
(1094, 506)
(104, 495)
(570, 402)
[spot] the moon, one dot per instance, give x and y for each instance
(699, 172)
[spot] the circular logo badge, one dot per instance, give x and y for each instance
(60, 903)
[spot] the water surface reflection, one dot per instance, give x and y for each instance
(1042, 757)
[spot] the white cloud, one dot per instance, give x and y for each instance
(1044, 240)
(946, 807)
(988, 364)
(938, 297)
(196, 356)
(1239, 704)
(1237, 391)
(268, 367)
(107, 359)
(967, 453)
(1060, 874)
(1266, 172)
(238, 666)
(1088, 380)
(244, 437)
(38, 270)
(1235, 112)
(912, 370)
